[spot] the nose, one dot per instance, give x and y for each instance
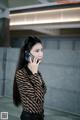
(41, 54)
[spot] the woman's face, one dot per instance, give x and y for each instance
(37, 51)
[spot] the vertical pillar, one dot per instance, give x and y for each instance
(4, 37)
(4, 24)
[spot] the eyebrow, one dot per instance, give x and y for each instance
(39, 49)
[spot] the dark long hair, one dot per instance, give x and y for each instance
(28, 44)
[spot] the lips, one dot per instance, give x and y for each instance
(40, 58)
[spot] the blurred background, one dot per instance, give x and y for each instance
(57, 24)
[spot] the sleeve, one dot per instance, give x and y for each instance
(26, 90)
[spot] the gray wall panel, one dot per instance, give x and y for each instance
(66, 44)
(1, 53)
(62, 100)
(77, 45)
(10, 69)
(12, 54)
(12, 57)
(1, 83)
(78, 103)
(1, 70)
(59, 77)
(62, 57)
(51, 44)
(9, 87)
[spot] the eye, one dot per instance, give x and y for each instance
(37, 50)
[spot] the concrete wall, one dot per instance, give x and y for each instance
(60, 69)
(8, 61)
(62, 75)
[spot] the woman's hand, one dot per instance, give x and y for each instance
(33, 65)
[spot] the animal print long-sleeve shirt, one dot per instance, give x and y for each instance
(32, 90)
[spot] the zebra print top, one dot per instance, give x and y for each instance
(32, 90)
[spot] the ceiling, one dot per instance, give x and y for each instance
(18, 3)
(48, 29)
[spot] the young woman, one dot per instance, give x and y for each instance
(29, 88)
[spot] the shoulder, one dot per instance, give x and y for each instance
(20, 72)
(20, 75)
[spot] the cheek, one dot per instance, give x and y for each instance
(35, 54)
(42, 55)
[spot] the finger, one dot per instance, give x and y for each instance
(38, 62)
(35, 60)
(30, 60)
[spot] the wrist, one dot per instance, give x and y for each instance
(34, 72)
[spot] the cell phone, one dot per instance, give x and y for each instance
(28, 55)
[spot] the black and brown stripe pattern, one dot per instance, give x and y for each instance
(32, 89)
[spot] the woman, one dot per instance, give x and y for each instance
(29, 88)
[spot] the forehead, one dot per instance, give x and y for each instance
(37, 46)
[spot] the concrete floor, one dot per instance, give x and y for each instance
(14, 113)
